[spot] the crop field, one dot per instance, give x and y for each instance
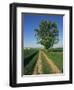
(42, 61)
(56, 55)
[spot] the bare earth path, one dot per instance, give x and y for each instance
(38, 66)
(53, 67)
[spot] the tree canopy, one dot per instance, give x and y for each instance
(47, 33)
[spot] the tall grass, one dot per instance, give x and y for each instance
(29, 52)
(29, 57)
(28, 69)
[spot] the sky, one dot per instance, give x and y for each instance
(30, 22)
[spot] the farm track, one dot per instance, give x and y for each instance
(51, 64)
(53, 67)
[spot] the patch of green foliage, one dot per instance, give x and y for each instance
(47, 33)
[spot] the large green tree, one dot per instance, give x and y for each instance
(47, 33)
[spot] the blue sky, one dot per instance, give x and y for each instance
(31, 22)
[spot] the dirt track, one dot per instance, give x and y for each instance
(38, 66)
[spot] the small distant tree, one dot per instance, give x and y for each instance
(47, 33)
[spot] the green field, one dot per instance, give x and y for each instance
(56, 55)
(31, 56)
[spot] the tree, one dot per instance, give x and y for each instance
(47, 33)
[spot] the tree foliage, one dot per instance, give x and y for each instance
(47, 33)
